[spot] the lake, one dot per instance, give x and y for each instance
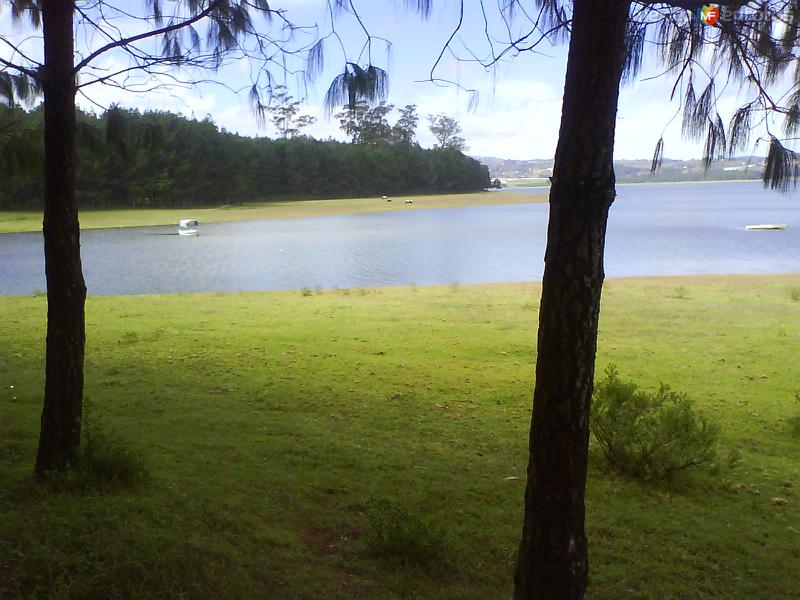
(654, 229)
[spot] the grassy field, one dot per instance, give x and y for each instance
(272, 422)
(542, 182)
(13, 221)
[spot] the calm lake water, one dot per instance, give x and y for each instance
(673, 229)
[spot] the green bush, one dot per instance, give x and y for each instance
(400, 535)
(649, 435)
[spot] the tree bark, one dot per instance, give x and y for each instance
(553, 561)
(66, 292)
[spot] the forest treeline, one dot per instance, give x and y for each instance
(127, 158)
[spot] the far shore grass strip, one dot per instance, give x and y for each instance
(23, 221)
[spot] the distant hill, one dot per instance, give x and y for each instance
(536, 171)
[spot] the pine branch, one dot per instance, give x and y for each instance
(148, 34)
(20, 69)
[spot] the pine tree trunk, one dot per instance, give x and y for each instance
(553, 561)
(66, 293)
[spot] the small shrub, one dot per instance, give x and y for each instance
(649, 435)
(794, 294)
(306, 291)
(400, 535)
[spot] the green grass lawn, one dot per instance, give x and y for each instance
(271, 422)
(13, 221)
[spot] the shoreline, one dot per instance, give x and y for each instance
(403, 287)
(626, 183)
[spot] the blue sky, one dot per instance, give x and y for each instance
(520, 100)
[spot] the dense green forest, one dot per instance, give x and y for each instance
(132, 159)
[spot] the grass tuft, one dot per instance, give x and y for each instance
(107, 462)
(681, 293)
(794, 420)
(405, 536)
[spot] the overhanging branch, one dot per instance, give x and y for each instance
(148, 34)
(20, 69)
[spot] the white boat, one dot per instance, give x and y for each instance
(187, 227)
(767, 226)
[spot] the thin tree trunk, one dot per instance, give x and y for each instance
(553, 561)
(66, 293)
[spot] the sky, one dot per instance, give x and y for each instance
(519, 105)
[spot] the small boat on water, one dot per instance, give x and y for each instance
(187, 227)
(768, 227)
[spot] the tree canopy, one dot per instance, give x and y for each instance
(446, 130)
(285, 113)
(162, 159)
